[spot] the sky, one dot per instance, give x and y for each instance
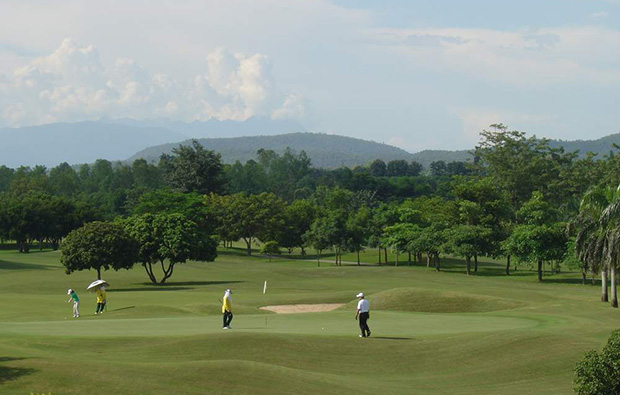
(411, 73)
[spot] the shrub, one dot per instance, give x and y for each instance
(599, 373)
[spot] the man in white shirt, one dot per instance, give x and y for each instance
(363, 312)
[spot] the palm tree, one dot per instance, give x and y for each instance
(597, 244)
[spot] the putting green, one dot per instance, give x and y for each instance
(383, 324)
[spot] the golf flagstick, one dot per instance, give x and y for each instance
(264, 291)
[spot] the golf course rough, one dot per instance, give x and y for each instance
(432, 332)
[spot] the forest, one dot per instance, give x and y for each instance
(519, 199)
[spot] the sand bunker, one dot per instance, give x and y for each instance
(302, 308)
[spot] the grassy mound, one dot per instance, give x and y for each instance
(428, 301)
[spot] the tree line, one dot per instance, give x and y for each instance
(519, 199)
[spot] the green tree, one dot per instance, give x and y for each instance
(598, 237)
(64, 180)
(377, 168)
(98, 245)
(270, 248)
(539, 237)
(599, 373)
(168, 239)
(193, 169)
(298, 218)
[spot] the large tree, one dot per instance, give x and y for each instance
(193, 169)
(598, 239)
(168, 239)
(99, 245)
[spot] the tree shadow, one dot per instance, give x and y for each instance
(391, 338)
(124, 308)
(148, 289)
(6, 265)
(8, 373)
(171, 286)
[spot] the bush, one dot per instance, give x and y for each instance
(599, 373)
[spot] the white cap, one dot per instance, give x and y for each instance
(69, 291)
(360, 295)
(229, 291)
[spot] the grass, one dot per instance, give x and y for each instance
(432, 332)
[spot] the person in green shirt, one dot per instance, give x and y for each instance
(76, 302)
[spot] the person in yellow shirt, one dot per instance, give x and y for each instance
(101, 299)
(227, 309)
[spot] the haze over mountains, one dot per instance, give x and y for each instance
(127, 139)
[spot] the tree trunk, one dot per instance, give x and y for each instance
(428, 260)
(385, 253)
(508, 264)
(99, 273)
(167, 273)
(379, 255)
(419, 257)
(604, 296)
(476, 263)
(437, 262)
(318, 258)
(358, 257)
(396, 258)
(149, 271)
(540, 268)
(614, 294)
(409, 260)
(468, 265)
(583, 277)
(248, 242)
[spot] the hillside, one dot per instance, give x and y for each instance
(85, 142)
(327, 151)
(81, 142)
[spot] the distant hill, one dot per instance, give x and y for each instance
(85, 142)
(81, 142)
(601, 146)
(254, 126)
(425, 158)
(325, 150)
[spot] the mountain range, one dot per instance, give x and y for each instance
(127, 139)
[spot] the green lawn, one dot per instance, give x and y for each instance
(433, 332)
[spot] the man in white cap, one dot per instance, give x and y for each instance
(227, 309)
(76, 302)
(363, 312)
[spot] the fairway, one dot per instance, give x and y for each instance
(431, 332)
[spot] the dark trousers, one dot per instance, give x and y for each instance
(228, 316)
(363, 320)
(100, 307)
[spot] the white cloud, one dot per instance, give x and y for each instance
(599, 15)
(548, 56)
(72, 84)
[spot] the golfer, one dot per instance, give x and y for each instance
(363, 312)
(227, 309)
(101, 299)
(76, 302)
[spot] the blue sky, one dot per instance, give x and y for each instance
(415, 74)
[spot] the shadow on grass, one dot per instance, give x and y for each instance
(171, 286)
(6, 265)
(391, 338)
(9, 374)
(124, 308)
(163, 288)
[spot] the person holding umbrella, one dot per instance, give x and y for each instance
(76, 302)
(99, 286)
(227, 309)
(101, 299)
(363, 312)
